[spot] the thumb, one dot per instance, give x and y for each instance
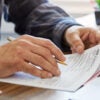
(76, 43)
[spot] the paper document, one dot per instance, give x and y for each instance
(79, 70)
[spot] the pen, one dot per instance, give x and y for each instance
(61, 62)
(10, 38)
(58, 61)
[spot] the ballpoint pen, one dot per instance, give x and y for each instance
(58, 61)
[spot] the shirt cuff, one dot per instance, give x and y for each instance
(59, 31)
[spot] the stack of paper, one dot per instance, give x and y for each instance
(80, 69)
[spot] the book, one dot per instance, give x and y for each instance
(80, 70)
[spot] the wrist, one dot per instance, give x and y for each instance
(70, 30)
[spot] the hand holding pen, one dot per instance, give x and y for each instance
(58, 61)
(26, 53)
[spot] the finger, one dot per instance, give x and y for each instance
(73, 50)
(48, 44)
(53, 48)
(98, 37)
(42, 51)
(92, 36)
(85, 36)
(40, 61)
(75, 42)
(45, 53)
(31, 69)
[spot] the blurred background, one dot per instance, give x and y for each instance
(76, 8)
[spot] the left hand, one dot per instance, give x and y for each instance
(80, 38)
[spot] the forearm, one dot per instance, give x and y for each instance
(51, 23)
(42, 20)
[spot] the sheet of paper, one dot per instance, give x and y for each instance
(79, 69)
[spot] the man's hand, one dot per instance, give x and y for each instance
(80, 38)
(26, 53)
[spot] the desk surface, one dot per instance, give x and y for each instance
(16, 92)
(89, 92)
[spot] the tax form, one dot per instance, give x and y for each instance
(80, 68)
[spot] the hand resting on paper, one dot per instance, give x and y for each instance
(27, 52)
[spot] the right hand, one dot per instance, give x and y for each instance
(27, 52)
(80, 38)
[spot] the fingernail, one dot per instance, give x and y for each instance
(63, 58)
(58, 72)
(79, 49)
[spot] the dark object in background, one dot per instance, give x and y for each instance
(97, 16)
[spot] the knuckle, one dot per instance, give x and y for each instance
(75, 41)
(48, 42)
(25, 36)
(22, 42)
(57, 50)
(71, 35)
